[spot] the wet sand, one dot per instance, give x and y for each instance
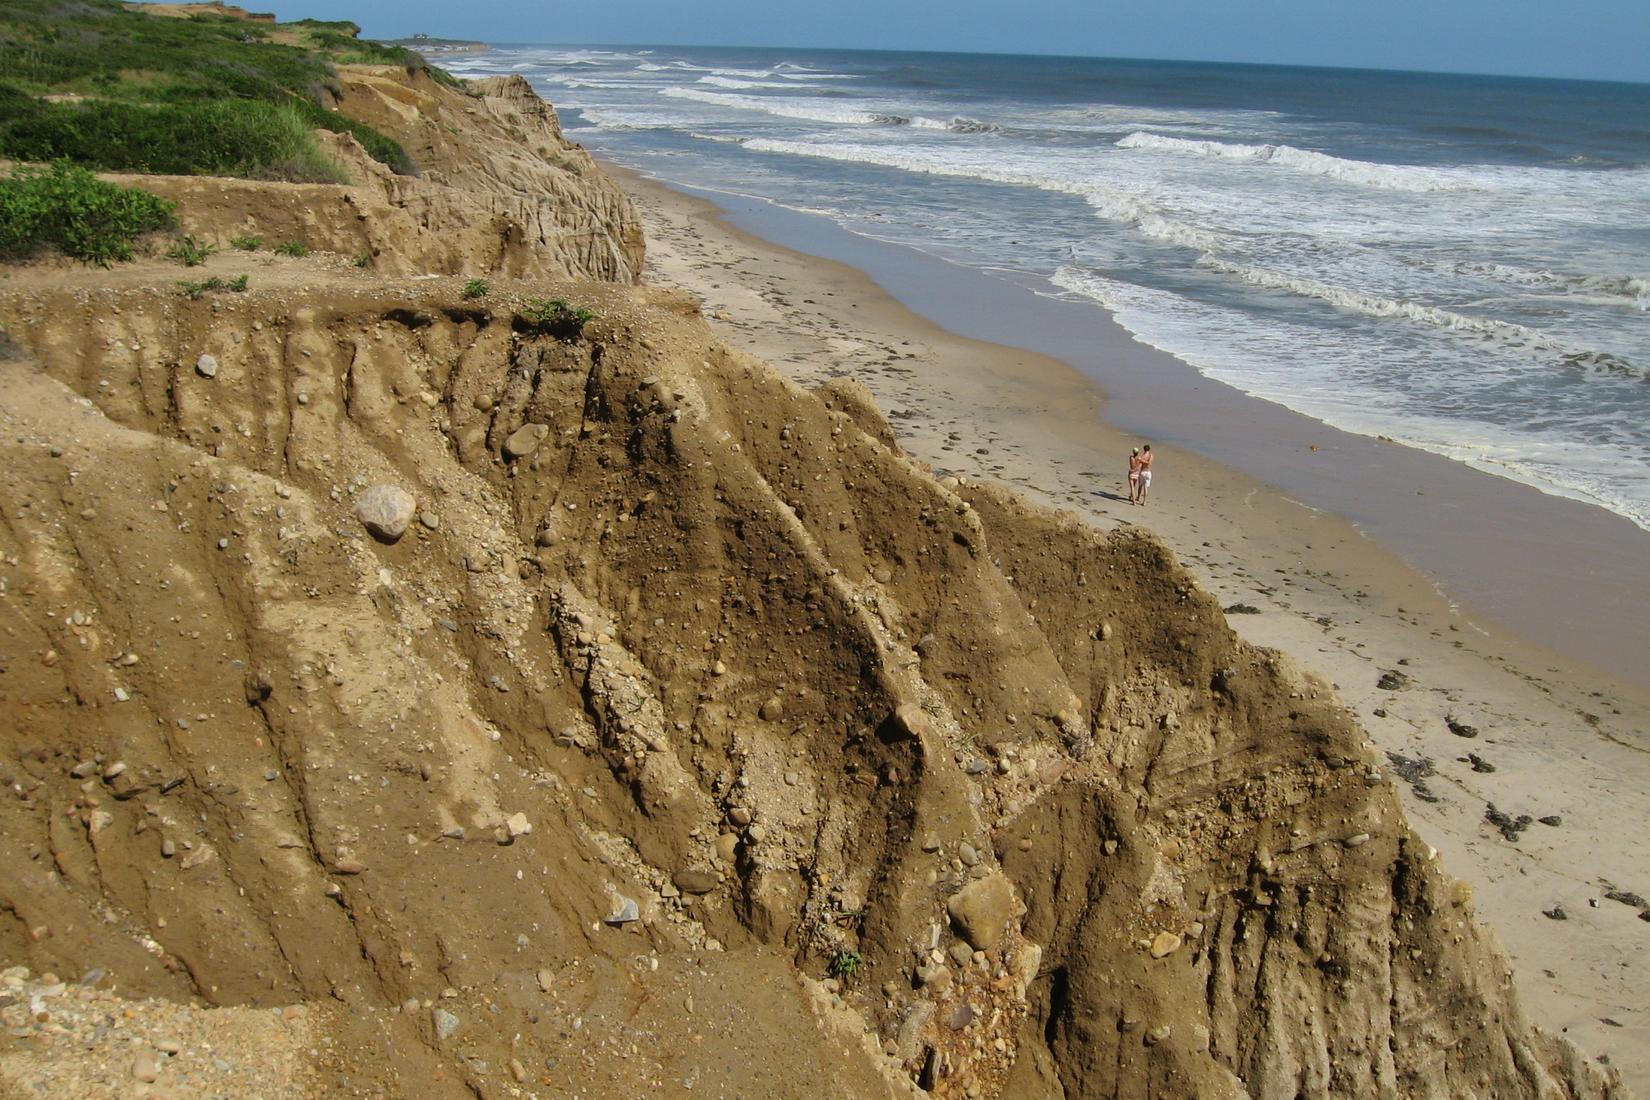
(1504, 633)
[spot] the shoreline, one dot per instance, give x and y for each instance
(1562, 738)
(1565, 572)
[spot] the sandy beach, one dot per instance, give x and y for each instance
(1468, 714)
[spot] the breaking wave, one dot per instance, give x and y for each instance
(1392, 177)
(806, 110)
(1632, 289)
(1375, 305)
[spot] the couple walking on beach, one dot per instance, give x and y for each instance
(1140, 473)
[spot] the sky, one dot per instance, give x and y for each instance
(1588, 39)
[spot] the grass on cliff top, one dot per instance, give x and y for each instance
(114, 88)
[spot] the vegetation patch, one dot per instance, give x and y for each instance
(210, 94)
(69, 208)
(189, 252)
(475, 288)
(555, 317)
(292, 248)
(197, 290)
(246, 138)
(846, 964)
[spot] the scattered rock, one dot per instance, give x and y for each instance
(694, 882)
(525, 440)
(144, 1066)
(934, 977)
(1164, 944)
(625, 910)
(982, 909)
(385, 511)
(1555, 913)
(1460, 728)
(1551, 819)
(1627, 897)
(727, 847)
(430, 520)
(446, 1024)
(772, 710)
(517, 825)
(1392, 681)
(207, 367)
(1479, 764)
(1242, 609)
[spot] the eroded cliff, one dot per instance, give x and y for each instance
(674, 731)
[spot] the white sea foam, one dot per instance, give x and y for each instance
(1395, 177)
(1110, 203)
(1591, 360)
(739, 84)
(808, 110)
(1631, 289)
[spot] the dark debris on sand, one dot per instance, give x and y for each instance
(1510, 826)
(1414, 771)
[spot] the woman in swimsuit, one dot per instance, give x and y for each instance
(1134, 473)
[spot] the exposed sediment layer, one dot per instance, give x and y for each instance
(711, 646)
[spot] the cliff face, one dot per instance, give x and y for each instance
(677, 689)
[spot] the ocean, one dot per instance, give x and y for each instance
(1457, 263)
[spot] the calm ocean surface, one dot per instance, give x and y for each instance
(1458, 263)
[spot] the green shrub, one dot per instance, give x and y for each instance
(118, 54)
(227, 138)
(189, 252)
(72, 209)
(363, 261)
(197, 290)
(557, 317)
(846, 964)
(246, 243)
(292, 248)
(476, 288)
